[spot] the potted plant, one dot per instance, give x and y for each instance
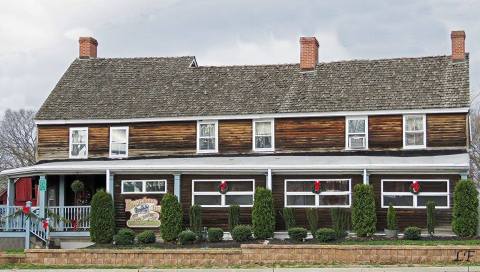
(391, 231)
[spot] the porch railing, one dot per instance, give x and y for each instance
(11, 218)
(69, 218)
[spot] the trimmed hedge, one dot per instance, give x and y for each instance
(465, 209)
(171, 218)
(242, 233)
(215, 235)
(102, 218)
(412, 233)
(195, 217)
(391, 218)
(124, 237)
(288, 218)
(146, 237)
(312, 218)
(325, 235)
(233, 216)
(340, 221)
(187, 237)
(263, 214)
(431, 220)
(297, 234)
(364, 217)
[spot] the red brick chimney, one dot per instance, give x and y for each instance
(88, 47)
(458, 45)
(308, 53)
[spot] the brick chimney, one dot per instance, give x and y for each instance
(88, 47)
(458, 45)
(308, 53)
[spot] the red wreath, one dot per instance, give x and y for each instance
(74, 224)
(316, 187)
(45, 224)
(415, 187)
(26, 210)
(223, 187)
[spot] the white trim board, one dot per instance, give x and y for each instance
(250, 116)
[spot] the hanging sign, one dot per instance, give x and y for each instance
(42, 184)
(144, 213)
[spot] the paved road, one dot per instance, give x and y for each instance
(350, 269)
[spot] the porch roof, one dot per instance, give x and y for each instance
(453, 162)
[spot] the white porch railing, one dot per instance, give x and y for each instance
(69, 218)
(11, 219)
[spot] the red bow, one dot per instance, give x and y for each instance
(316, 186)
(223, 187)
(415, 186)
(74, 224)
(45, 224)
(26, 210)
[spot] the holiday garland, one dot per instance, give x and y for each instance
(27, 212)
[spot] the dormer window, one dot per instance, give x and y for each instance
(357, 132)
(263, 135)
(78, 143)
(118, 142)
(207, 136)
(414, 131)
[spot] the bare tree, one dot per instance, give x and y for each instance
(17, 139)
(475, 144)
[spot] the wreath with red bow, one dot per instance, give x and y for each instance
(316, 187)
(415, 187)
(223, 187)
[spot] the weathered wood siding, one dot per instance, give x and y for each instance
(53, 142)
(385, 132)
(235, 136)
(447, 130)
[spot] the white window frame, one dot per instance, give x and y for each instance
(70, 145)
(215, 122)
(127, 140)
(272, 133)
(223, 196)
(144, 186)
(424, 145)
(415, 196)
(347, 132)
(317, 196)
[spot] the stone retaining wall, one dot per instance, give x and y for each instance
(260, 255)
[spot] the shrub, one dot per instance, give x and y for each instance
(146, 237)
(242, 233)
(288, 218)
(340, 221)
(431, 220)
(312, 218)
(102, 218)
(215, 234)
(465, 209)
(195, 217)
(187, 237)
(297, 234)
(124, 237)
(412, 233)
(233, 216)
(171, 218)
(263, 214)
(391, 218)
(364, 218)
(325, 235)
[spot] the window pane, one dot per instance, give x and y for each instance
(299, 186)
(357, 141)
(294, 200)
(396, 186)
(207, 130)
(207, 144)
(119, 135)
(356, 126)
(119, 149)
(206, 186)
(334, 186)
(132, 187)
(79, 136)
(263, 128)
(398, 200)
(239, 199)
(240, 186)
(155, 186)
(432, 186)
(263, 142)
(79, 150)
(414, 123)
(414, 138)
(439, 200)
(330, 200)
(208, 199)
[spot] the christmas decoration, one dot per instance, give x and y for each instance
(223, 187)
(45, 224)
(316, 187)
(415, 187)
(26, 210)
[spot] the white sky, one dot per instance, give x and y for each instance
(39, 38)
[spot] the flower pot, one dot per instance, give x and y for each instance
(391, 233)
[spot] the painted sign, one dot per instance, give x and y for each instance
(144, 213)
(42, 184)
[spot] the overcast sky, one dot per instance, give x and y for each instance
(39, 38)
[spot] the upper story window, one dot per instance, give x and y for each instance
(263, 135)
(357, 132)
(207, 136)
(399, 193)
(118, 142)
(331, 193)
(414, 131)
(144, 186)
(78, 143)
(209, 193)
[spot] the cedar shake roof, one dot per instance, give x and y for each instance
(125, 88)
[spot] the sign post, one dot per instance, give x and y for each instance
(42, 185)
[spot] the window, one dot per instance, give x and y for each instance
(357, 132)
(78, 143)
(263, 135)
(397, 193)
(144, 186)
(414, 131)
(118, 142)
(333, 193)
(207, 193)
(207, 136)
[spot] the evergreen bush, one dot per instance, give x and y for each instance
(465, 209)
(102, 218)
(187, 237)
(124, 237)
(364, 218)
(288, 218)
(431, 220)
(297, 234)
(233, 216)
(412, 233)
(195, 217)
(263, 214)
(171, 218)
(312, 218)
(391, 218)
(242, 233)
(340, 221)
(146, 237)
(325, 235)
(215, 235)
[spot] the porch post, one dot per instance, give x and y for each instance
(176, 185)
(61, 200)
(42, 198)
(269, 179)
(109, 183)
(366, 179)
(11, 192)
